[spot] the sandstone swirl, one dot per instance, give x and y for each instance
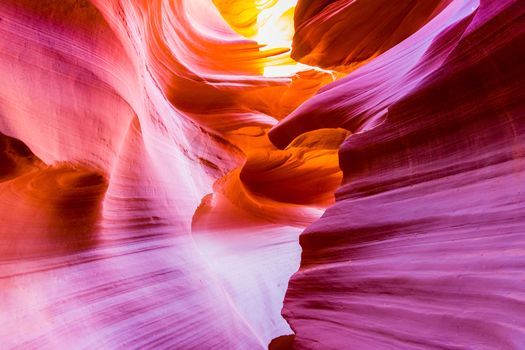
(163, 163)
(424, 247)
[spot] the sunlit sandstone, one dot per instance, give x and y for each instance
(248, 174)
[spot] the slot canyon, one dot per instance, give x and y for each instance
(262, 174)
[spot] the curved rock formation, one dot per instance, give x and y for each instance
(155, 175)
(343, 34)
(118, 119)
(423, 247)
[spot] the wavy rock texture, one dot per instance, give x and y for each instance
(155, 180)
(117, 118)
(423, 249)
(341, 33)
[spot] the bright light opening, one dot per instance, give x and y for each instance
(275, 29)
(275, 25)
(271, 24)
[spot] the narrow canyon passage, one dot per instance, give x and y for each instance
(254, 174)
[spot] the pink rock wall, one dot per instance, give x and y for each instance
(157, 188)
(423, 248)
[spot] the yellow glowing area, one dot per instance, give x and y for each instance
(275, 25)
(271, 24)
(275, 30)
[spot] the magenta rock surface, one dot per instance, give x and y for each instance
(424, 246)
(157, 184)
